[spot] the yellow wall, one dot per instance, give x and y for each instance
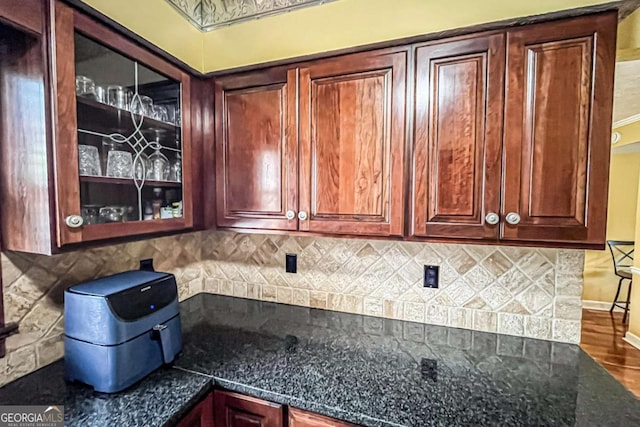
(599, 281)
(634, 315)
(628, 134)
(629, 38)
(157, 22)
(331, 26)
(347, 23)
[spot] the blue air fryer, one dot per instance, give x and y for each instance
(120, 328)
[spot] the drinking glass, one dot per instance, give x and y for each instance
(89, 160)
(136, 106)
(101, 94)
(85, 86)
(118, 96)
(91, 214)
(147, 106)
(160, 113)
(141, 166)
(175, 173)
(159, 166)
(119, 164)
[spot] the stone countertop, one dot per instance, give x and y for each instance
(365, 370)
(162, 398)
(380, 372)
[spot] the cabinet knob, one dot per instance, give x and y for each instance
(512, 218)
(291, 214)
(74, 221)
(302, 215)
(492, 218)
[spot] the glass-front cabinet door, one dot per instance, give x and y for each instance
(122, 144)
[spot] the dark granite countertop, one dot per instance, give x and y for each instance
(380, 372)
(162, 398)
(366, 370)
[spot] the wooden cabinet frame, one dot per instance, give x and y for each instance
(65, 21)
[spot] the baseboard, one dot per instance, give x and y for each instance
(632, 339)
(598, 305)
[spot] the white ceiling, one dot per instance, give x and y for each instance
(626, 100)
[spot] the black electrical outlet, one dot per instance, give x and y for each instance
(146, 264)
(291, 263)
(429, 369)
(431, 276)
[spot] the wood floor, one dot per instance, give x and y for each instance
(602, 339)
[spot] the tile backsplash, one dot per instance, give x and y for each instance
(517, 291)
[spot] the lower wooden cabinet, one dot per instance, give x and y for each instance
(227, 409)
(299, 418)
(236, 410)
(201, 415)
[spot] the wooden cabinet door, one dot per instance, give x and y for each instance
(559, 98)
(352, 133)
(201, 415)
(256, 150)
(299, 418)
(83, 121)
(236, 410)
(458, 138)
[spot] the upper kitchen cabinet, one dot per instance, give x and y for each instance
(319, 148)
(108, 150)
(257, 150)
(119, 139)
(457, 150)
(558, 106)
(352, 142)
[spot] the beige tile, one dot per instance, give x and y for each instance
(497, 264)
(269, 293)
(461, 261)
(300, 297)
(392, 309)
(486, 321)
(226, 287)
(49, 350)
(511, 324)
(437, 315)
(373, 306)
(318, 299)
(570, 261)
(569, 285)
(534, 299)
(569, 308)
(566, 330)
(496, 296)
(240, 289)
(254, 290)
(284, 295)
(460, 318)
(479, 278)
(537, 327)
(211, 285)
(414, 311)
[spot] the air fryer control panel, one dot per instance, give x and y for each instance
(140, 301)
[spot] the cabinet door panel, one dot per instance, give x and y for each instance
(299, 418)
(457, 139)
(557, 134)
(256, 151)
(106, 199)
(201, 415)
(236, 410)
(352, 143)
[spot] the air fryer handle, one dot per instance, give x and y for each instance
(164, 335)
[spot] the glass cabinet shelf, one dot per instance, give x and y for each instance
(126, 181)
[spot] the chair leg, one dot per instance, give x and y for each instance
(626, 308)
(617, 295)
